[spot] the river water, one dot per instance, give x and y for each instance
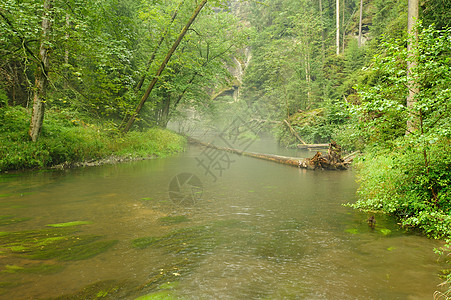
(258, 230)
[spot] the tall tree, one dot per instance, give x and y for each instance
(343, 26)
(196, 12)
(160, 42)
(338, 27)
(360, 22)
(323, 48)
(412, 62)
(41, 82)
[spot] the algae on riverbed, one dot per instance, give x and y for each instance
(57, 243)
(188, 246)
(191, 240)
(144, 242)
(108, 289)
(33, 269)
(9, 220)
(69, 224)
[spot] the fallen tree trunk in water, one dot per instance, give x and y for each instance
(330, 161)
(313, 146)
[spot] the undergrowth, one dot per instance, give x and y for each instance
(67, 139)
(398, 182)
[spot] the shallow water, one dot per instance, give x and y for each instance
(258, 230)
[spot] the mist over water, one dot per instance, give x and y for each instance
(260, 230)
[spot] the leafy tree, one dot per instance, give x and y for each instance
(40, 89)
(413, 181)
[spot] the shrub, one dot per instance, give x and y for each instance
(399, 182)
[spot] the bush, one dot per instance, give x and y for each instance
(402, 183)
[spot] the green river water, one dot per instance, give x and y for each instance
(259, 231)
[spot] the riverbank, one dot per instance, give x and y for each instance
(67, 141)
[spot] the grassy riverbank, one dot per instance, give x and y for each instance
(66, 139)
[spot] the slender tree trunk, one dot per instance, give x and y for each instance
(163, 66)
(294, 133)
(286, 100)
(154, 53)
(413, 121)
(66, 52)
(338, 27)
(308, 77)
(360, 23)
(343, 27)
(180, 96)
(41, 83)
(164, 117)
(323, 48)
(332, 161)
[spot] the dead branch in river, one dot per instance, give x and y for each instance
(293, 132)
(330, 161)
(313, 146)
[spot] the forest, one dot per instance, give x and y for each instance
(83, 81)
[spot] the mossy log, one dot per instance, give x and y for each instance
(320, 161)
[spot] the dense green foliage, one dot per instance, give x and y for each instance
(67, 139)
(358, 98)
(317, 125)
(408, 175)
(99, 52)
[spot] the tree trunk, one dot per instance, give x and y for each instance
(338, 27)
(66, 52)
(160, 42)
(318, 161)
(413, 121)
(360, 23)
(164, 112)
(40, 89)
(293, 132)
(163, 66)
(343, 27)
(323, 48)
(308, 78)
(179, 98)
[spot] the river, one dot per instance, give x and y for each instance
(250, 229)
